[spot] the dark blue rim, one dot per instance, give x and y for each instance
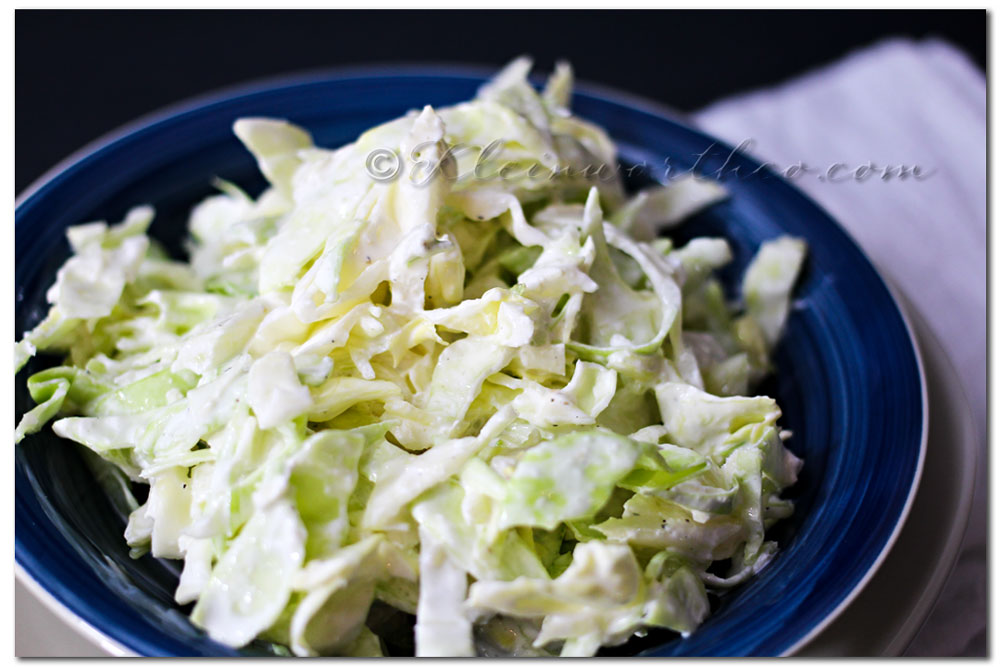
(130, 134)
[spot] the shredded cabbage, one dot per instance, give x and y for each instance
(492, 399)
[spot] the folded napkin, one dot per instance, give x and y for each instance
(919, 105)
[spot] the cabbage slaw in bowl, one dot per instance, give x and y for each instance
(497, 402)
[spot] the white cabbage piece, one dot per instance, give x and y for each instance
(443, 629)
(274, 391)
(568, 477)
(768, 282)
(252, 582)
(105, 259)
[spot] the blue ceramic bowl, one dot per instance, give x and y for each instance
(848, 374)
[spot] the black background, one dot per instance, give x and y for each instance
(79, 74)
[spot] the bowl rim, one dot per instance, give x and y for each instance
(435, 69)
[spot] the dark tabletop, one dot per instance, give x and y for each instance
(79, 74)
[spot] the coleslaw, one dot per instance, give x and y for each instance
(499, 401)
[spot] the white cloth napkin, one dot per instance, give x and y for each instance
(910, 103)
